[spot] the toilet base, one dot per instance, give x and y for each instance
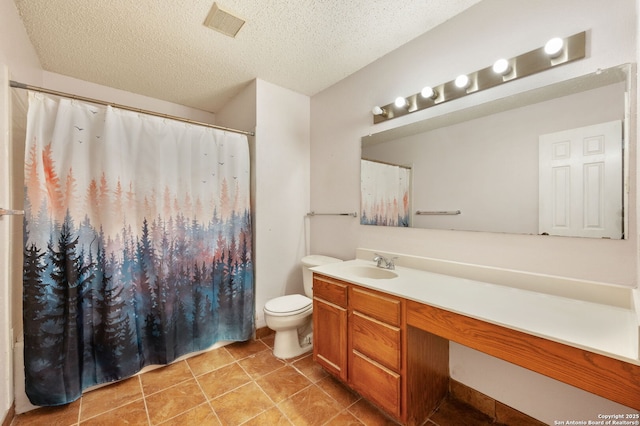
(287, 344)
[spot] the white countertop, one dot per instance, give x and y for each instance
(600, 328)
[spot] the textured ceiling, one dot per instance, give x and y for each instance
(160, 48)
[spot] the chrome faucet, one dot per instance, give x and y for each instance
(388, 263)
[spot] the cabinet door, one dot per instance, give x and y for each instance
(330, 337)
(330, 290)
(376, 383)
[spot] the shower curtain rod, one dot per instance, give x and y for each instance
(17, 85)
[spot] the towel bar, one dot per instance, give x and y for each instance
(438, 212)
(332, 214)
(7, 212)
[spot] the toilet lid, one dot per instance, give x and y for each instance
(290, 304)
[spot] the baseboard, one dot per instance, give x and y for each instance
(8, 418)
(498, 411)
(263, 332)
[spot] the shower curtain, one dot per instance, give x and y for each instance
(137, 244)
(384, 194)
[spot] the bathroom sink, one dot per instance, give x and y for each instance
(371, 272)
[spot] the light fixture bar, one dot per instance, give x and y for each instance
(535, 61)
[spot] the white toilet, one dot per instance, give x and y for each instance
(290, 316)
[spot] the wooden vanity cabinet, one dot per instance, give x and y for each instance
(360, 336)
(395, 351)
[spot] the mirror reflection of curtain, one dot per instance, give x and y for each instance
(137, 244)
(384, 194)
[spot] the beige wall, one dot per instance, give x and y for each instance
(282, 194)
(491, 29)
(280, 180)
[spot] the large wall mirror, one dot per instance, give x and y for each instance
(551, 161)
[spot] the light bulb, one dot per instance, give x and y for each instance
(429, 93)
(462, 81)
(554, 47)
(401, 102)
(502, 67)
(377, 110)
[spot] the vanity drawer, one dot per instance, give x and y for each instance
(376, 340)
(330, 290)
(377, 383)
(375, 305)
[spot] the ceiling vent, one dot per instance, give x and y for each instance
(223, 21)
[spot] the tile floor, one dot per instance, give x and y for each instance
(239, 384)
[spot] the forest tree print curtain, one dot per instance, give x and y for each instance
(137, 244)
(384, 194)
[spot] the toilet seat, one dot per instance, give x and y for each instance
(291, 304)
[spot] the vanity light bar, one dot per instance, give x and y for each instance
(556, 52)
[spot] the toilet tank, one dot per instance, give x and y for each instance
(307, 275)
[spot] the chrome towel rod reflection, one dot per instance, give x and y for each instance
(6, 212)
(438, 212)
(332, 214)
